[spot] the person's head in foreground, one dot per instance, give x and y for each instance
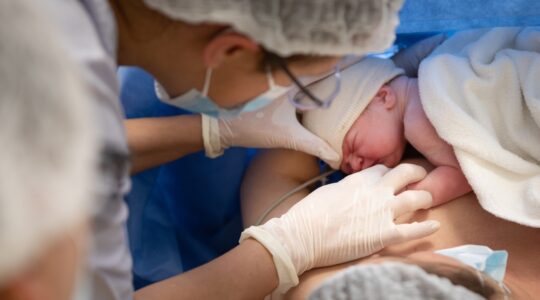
(421, 275)
(365, 121)
(47, 161)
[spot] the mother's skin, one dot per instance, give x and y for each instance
(463, 221)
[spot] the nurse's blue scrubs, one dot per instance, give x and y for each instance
(184, 213)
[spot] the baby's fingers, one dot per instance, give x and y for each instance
(412, 231)
(403, 175)
(411, 201)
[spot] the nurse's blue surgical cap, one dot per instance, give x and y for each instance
(288, 27)
(390, 281)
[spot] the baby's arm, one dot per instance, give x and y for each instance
(445, 183)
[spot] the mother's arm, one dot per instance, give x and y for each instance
(273, 173)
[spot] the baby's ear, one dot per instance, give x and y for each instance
(386, 97)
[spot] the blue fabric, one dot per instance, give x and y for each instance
(184, 213)
(418, 16)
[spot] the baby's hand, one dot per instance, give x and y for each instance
(445, 183)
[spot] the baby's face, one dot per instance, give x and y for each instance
(376, 137)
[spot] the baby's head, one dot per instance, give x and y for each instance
(362, 124)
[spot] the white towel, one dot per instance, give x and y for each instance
(481, 91)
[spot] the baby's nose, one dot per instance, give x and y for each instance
(355, 163)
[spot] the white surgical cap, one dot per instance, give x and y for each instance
(390, 281)
(287, 27)
(46, 137)
(359, 84)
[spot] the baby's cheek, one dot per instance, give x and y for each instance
(345, 167)
(394, 161)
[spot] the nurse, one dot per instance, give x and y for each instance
(223, 58)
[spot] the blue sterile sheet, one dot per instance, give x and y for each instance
(421, 16)
(184, 213)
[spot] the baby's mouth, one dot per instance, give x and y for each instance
(367, 163)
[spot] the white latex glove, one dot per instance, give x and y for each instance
(409, 58)
(344, 221)
(273, 126)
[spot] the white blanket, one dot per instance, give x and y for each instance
(481, 91)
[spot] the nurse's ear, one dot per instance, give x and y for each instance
(386, 97)
(230, 46)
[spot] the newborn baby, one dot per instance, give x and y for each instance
(377, 111)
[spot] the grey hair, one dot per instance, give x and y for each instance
(390, 281)
(47, 144)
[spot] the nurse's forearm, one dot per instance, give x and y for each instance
(155, 141)
(246, 272)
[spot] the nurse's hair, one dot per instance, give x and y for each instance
(410, 279)
(47, 144)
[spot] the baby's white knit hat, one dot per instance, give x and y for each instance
(359, 84)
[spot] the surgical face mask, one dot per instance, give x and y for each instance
(199, 102)
(481, 258)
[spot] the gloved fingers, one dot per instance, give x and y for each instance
(314, 145)
(411, 201)
(283, 105)
(403, 175)
(305, 141)
(324, 152)
(411, 231)
(366, 176)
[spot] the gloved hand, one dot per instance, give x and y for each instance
(409, 58)
(344, 221)
(273, 126)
